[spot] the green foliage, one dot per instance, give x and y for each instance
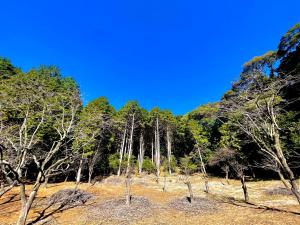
(113, 162)
(148, 166)
(229, 136)
(7, 70)
(187, 166)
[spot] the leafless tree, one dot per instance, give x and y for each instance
(255, 111)
(239, 169)
(268, 163)
(21, 140)
(222, 158)
(141, 153)
(157, 148)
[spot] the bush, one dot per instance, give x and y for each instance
(114, 161)
(186, 165)
(148, 166)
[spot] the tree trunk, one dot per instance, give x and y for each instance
(127, 190)
(283, 180)
(226, 174)
(189, 185)
(152, 159)
(90, 177)
(46, 182)
(165, 184)
(122, 151)
(245, 190)
(141, 154)
(27, 202)
(285, 167)
(206, 185)
(157, 149)
(130, 144)
(78, 176)
(92, 161)
(203, 170)
(169, 149)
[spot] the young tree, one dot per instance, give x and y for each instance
(201, 140)
(187, 166)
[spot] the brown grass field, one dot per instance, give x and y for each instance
(264, 208)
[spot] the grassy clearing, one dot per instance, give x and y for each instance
(227, 199)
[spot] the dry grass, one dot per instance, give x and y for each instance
(157, 209)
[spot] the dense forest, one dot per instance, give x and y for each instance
(253, 132)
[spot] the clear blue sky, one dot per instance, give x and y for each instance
(167, 53)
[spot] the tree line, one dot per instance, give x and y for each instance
(47, 134)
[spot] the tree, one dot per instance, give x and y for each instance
(92, 133)
(169, 125)
(7, 70)
(155, 121)
(187, 166)
(38, 113)
(254, 106)
(201, 141)
(130, 118)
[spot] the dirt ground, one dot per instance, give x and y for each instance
(228, 198)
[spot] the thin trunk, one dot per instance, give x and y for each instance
(152, 152)
(46, 182)
(130, 144)
(122, 151)
(127, 190)
(67, 178)
(157, 150)
(141, 154)
(189, 185)
(90, 176)
(92, 163)
(165, 184)
(286, 168)
(78, 176)
(226, 174)
(203, 170)
(169, 148)
(283, 180)
(245, 190)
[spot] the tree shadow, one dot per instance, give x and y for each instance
(43, 214)
(10, 199)
(251, 205)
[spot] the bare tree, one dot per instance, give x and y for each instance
(169, 147)
(239, 169)
(141, 153)
(203, 170)
(122, 149)
(157, 147)
(38, 106)
(268, 163)
(130, 143)
(223, 158)
(255, 111)
(186, 167)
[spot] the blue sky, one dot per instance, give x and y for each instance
(173, 54)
